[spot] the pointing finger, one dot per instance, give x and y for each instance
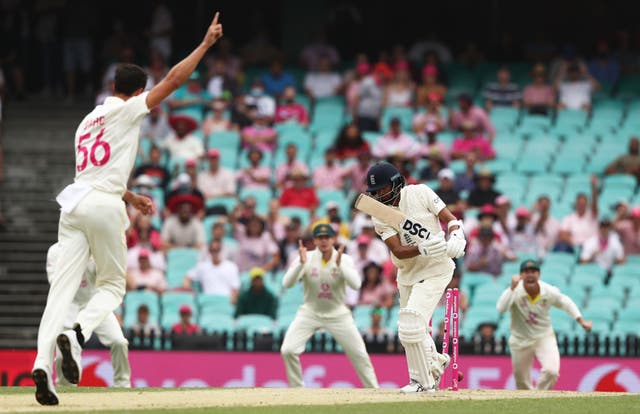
(215, 19)
(300, 243)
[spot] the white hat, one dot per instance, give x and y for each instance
(144, 181)
(446, 173)
(330, 204)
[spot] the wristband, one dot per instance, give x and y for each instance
(454, 223)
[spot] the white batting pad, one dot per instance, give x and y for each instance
(412, 331)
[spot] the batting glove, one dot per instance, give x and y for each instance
(456, 244)
(434, 246)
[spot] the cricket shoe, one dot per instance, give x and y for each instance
(71, 355)
(45, 391)
(414, 386)
(437, 369)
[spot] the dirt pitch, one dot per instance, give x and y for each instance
(259, 397)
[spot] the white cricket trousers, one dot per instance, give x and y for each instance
(545, 350)
(95, 227)
(423, 297)
(110, 335)
(342, 329)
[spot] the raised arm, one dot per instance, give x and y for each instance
(348, 269)
(594, 195)
(506, 299)
(295, 271)
(181, 71)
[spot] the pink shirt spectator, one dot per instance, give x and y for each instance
(357, 176)
(150, 279)
(283, 172)
(538, 95)
(581, 227)
(329, 178)
(477, 144)
(402, 144)
(259, 136)
(377, 295)
(179, 328)
(629, 236)
(292, 112)
(477, 116)
(254, 251)
(427, 150)
(546, 233)
(248, 176)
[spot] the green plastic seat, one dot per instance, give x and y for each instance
(134, 299)
(179, 262)
(215, 304)
(255, 324)
(224, 140)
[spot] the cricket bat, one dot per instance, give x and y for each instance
(411, 230)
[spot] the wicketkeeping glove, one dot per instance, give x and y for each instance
(456, 244)
(434, 246)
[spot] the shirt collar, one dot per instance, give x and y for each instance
(113, 100)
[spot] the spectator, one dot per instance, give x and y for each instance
(377, 333)
(246, 210)
(539, 98)
(604, 67)
(318, 49)
(157, 69)
(522, 237)
(275, 221)
(284, 178)
(506, 219)
(258, 99)
(369, 103)
(333, 218)
(545, 226)
(161, 29)
(395, 143)
(466, 180)
(289, 244)
(183, 190)
(181, 143)
(503, 92)
(603, 248)
(430, 87)
(629, 232)
(628, 163)
(471, 141)
(473, 115)
(190, 99)
(486, 255)
(241, 110)
(185, 326)
(183, 229)
(257, 300)
(146, 277)
(375, 290)
(358, 249)
(430, 121)
(575, 86)
(228, 252)
(323, 82)
(329, 176)
(582, 224)
(400, 92)
(352, 83)
(142, 234)
(217, 120)
(289, 110)
(217, 181)
(433, 149)
(277, 80)
(349, 143)
(487, 217)
(259, 134)
(485, 337)
(377, 248)
(154, 169)
(483, 193)
(216, 276)
(255, 175)
(448, 194)
(299, 194)
(143, 327)
(256, 247)
(430, 171)
(221, 83)
(155, 126)
(358, 172)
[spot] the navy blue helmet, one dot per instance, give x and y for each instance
(380, 176)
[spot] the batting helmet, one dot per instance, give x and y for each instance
(381, 175)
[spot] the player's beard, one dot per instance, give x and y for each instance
(389, 197)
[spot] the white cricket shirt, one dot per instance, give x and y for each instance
(530, 318)
(421, 204)
(324, 284)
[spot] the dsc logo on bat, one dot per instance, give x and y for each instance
(415, 229)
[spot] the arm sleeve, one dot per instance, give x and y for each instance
(565, 303)
(194, 274)
(293, 274)
(234, 277)
(430, 199)
(384, 230)
(136, 107)
(349, 272)
(588, 249)
(506, 300)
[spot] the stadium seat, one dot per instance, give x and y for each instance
(568, 163)
(254, 324)
(215, 304)
(623, 181)
(601, 291)
(134, 299)
(262, 195)
(499, 166)
(171, 302)
(588, 275)
(324, 139)
(604, 305)
(472, 279)
(227, 202)
(532, 165)
(216, 322)
(302, 213)
(486, 295)
(179, 262)
(404, 114)
(229, 140)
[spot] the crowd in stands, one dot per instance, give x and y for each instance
(243, 159)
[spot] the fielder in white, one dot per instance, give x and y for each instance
(109, 332)
(425, 268)
(529, 300)
(93, 217)
(325, 272)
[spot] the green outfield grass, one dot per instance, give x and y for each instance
(626, 404)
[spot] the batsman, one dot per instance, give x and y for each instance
(425, 267)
